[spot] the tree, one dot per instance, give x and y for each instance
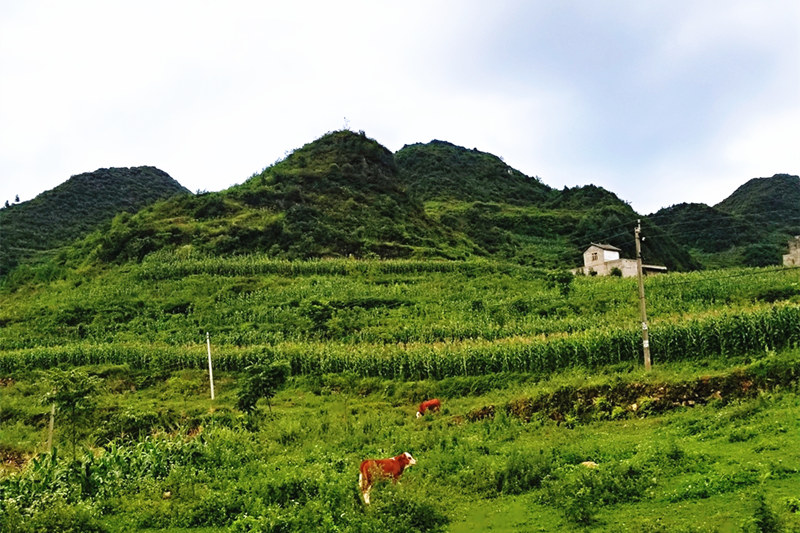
(73, 393)
(761, 254)
(262, 381)
(562, 280)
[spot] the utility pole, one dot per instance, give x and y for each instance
(642, 307)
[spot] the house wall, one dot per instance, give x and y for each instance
(595, 257)
(600, 262)
(626, 266)
(793, 257)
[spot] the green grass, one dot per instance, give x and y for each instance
(534, 381)
(686, 469)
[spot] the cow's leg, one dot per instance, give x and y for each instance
(364, 486)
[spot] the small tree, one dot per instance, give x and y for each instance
(73, 393)
(262, 381)
(562, 280)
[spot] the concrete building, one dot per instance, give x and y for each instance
(793, 257)
(603, 259)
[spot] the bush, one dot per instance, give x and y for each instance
(58, 517)
(583, 490)
(764, 519)
(263, 381)
(522, 472)
(396, 512)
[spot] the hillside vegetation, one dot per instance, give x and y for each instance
(538, 374)
(343, 285)
(75, 208)
(751, 227)
(346, 195)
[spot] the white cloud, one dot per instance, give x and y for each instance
(634, 97)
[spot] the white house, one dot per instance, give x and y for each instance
(602, 259)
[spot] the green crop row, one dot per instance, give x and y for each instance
(725, 334)
(168, 265)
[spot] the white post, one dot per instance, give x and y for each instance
(50, 429)
(210, 370)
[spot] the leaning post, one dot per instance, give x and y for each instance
(210, 370)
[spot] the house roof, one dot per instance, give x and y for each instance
(605, 247)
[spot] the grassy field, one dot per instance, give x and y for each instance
(537, 372)
(158, 454)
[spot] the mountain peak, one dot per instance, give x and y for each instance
(77, 207)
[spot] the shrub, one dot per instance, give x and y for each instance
(523, 472)
(582, 490)
(62, 518)
(397, 512)
(764, 519)
(263, 381)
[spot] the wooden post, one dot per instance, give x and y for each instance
(50, 429)
(642, 306)
(210, 370)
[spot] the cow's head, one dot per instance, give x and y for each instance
(408, 459)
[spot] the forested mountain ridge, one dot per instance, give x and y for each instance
(346, 195)
(338, 196)
(750, 227)
(517, 218)
(76, 207)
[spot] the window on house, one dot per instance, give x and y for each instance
(594, 256)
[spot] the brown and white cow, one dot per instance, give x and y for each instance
(429, 405)
(374, 469)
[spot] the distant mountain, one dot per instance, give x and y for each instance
(705, 228)
(750, 227)
(515, 217)
(775, 200)
(335, 197)
(77, 207)
(440, 170)
(344, 195)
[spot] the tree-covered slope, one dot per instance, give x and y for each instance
(335, 197)
(750, 227)
(705, 228)
(77, 207)
(775, 200)
(440, 170)
(518, 218)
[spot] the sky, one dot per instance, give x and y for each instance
(660, 102)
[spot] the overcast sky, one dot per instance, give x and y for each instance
(660, 102)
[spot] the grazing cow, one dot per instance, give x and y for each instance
(432, 405)
(373, 469)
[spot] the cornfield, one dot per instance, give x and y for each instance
(721, 335)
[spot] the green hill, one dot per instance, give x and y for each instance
(517, 218)
(77, 207)
(774, 201)
(346, 195)
(750, 227)
(440, 170)
(338, 196)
